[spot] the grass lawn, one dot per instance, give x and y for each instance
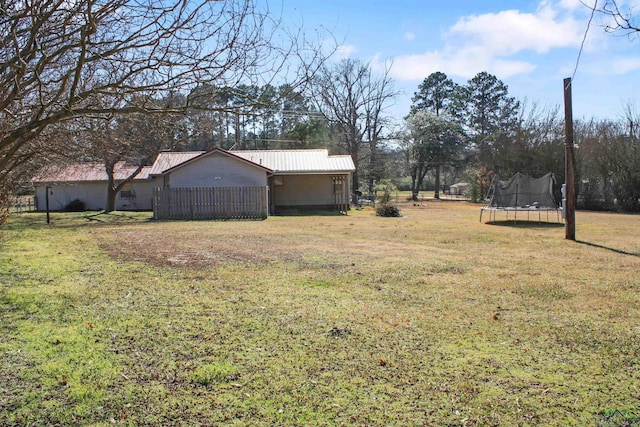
(429, 319)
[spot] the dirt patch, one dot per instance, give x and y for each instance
(195, 245)
(182, 249)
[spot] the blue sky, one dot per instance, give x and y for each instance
(531, 45)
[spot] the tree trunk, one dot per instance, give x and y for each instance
(414, 188)
(355, 153)
(436, 193)
(109, 168)
(111, 198)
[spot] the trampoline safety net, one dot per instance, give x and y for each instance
(523, 191)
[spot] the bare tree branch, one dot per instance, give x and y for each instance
(353, 99)
(620, 18)
(61, 58)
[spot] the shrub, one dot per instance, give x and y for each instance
(75, 205)
(387, 187)
(473, 192)
(388, 210)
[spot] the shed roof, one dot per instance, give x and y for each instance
(88, 172)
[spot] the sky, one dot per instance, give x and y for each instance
(531, 45)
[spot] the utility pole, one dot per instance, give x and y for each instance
(569, 166)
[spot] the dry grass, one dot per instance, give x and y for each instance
(428, 319)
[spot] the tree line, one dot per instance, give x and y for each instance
(476, 132)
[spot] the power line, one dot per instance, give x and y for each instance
(584, 39)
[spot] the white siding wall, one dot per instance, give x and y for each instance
(94, 195)
(143, 200)
(304, 190)
(218, 170)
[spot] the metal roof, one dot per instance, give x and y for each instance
(89, 171)
(169, 159)
(228, 154)
(298, 161)
(279, 161)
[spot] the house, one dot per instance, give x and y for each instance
(211, 184)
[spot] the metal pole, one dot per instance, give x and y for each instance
(46, 198)
(569, 165)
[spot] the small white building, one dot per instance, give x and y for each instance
(458, 189)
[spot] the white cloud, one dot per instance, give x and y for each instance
(620, 66)
(511, 31)
(575, 4)
(345, 51)
(462, 63)
(410, 36)
(503, 43)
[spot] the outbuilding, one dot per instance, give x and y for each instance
(210, 184)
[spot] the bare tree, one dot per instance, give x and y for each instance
(353, 99)
(609, 155)
(620, 16)
(60, 57)
(124, 144)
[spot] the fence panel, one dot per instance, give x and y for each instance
(210, 203)
(19, 204)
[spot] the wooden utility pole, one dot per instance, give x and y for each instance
(569, 166)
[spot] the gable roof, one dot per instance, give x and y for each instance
(88, 172)
(170, 159)
(276, 161)
(215, 151)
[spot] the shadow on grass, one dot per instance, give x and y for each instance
(32, 220)
(116, 216)
(618, 251)
(526, 224)
(302, 212)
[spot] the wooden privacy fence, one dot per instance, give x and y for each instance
(210, 203)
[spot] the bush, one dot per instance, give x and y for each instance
(473, 192)
(75, 205)
(388, 210)
(387, 187)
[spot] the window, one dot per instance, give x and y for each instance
(127, 194)
(278, 181)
